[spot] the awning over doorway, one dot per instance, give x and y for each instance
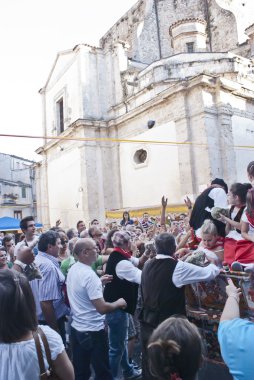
(12, 224)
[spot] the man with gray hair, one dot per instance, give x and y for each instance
(162, 289)
(50, 306)
(89, 339)
(126, 278)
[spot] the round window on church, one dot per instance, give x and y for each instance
(140, 156)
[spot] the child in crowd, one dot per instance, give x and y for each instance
(211, 242)
(210, 248)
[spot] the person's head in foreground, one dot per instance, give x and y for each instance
(175, 350)
(18, 316)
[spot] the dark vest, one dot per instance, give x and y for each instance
(160, 297)
(120, 288)
(199, 214)
(238, 216)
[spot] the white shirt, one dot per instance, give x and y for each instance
(186, 273)
(19, 360)
(127, 270)
(83, 285)
(219, 197)
(245, 219)
(220, 200)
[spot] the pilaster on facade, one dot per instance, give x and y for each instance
(226, 142)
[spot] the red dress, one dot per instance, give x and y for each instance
(244, 252)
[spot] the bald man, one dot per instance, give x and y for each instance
(85, 294)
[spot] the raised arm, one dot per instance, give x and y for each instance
(188, 203)
(164, 202)
(231, 308)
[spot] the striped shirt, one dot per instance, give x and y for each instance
(146, 224)
(49, 288)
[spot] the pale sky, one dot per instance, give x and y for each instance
(32, 33)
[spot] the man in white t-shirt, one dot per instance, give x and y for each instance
(89, 339)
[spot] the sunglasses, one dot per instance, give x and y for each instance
(64, 241)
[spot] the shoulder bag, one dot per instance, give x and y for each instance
(44, 374)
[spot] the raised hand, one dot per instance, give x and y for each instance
(232, 290)
(58, 222)
(188, 202)
(164, 202)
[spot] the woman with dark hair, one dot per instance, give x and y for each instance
(19, 335)
(175, 350)
(244, 253)
(126, 219)
(237, 201)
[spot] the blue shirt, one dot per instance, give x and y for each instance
(49, 288)
(236, 338)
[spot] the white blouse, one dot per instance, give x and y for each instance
(19, 360)
(245, 219)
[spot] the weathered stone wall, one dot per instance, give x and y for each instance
(171, 11)
(223, 28)
(140, 27)
(125, 28)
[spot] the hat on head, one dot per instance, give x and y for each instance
(219, 181)
(120, 238)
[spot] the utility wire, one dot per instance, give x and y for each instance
(108, 139)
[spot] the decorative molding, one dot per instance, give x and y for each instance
(242, 113)
(186, 21)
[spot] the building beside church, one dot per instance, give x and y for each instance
(162, 106)
(17, 187)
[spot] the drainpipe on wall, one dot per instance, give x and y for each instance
(158, 28)
(207, 16)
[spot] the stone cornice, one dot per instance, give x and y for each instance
(79, 123)
(186, 21)
(203, 80)
(200, 80)
(242, 113)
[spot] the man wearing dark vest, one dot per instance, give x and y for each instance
(214, 196)
(162, 289)
(126, 278)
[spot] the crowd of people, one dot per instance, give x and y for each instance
(74, 303)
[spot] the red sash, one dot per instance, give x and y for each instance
(126, 254)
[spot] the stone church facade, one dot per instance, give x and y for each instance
(162, 106)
